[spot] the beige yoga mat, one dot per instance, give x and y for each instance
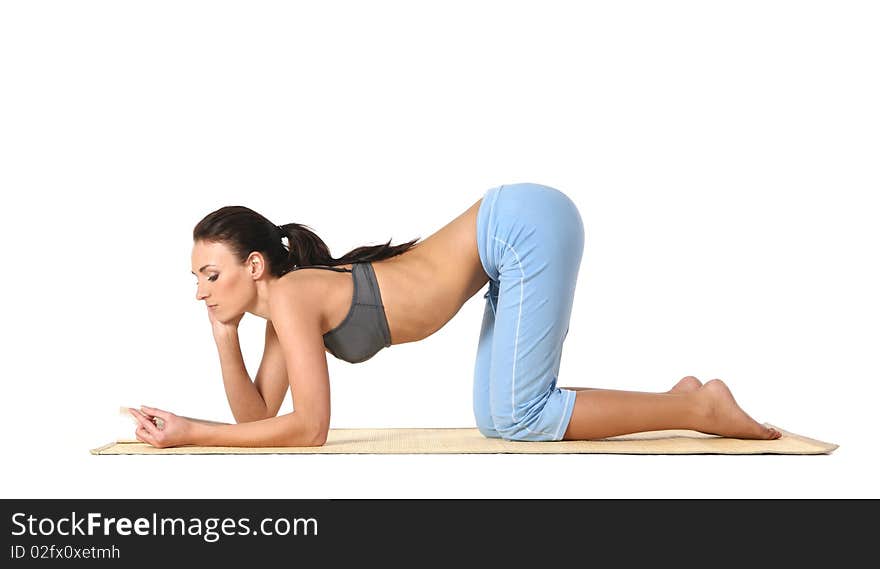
(471, 441)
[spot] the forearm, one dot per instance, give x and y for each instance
(292, 429)
(204, 421)
(245, 401)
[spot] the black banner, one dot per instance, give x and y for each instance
(425, 531)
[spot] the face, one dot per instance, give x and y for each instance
(222, 281)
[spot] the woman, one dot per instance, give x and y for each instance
(525, 240)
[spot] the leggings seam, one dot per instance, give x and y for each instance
(516, 337)
(516, 344)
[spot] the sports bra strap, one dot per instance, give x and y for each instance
(326, 267)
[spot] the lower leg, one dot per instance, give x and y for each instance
(710, 408)
(689, 383)
(600, 413)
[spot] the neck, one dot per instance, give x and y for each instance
(260, 306)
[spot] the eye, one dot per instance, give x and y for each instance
(213, 278)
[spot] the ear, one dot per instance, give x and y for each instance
(256, 264)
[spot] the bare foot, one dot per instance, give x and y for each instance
(724, 417)
(685, 384)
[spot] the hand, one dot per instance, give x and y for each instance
(160, 428)
(222, 328)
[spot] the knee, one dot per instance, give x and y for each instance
(488, 432)
(485, 424)
(511, 430)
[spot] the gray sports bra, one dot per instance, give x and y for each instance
(364, 331)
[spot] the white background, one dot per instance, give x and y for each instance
(723, 156)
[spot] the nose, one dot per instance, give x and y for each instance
(199, 295)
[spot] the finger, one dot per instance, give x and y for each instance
(144, 436)
(137, 434)
(156, 420)
(145, 423)
(141, 413)
(128, 412)
(156, 412)
(138, 415)
(154, 440)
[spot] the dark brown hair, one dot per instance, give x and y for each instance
(243, 230)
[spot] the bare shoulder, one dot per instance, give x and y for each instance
(294, 295)
(296, 316)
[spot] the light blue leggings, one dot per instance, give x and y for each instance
(530, 238)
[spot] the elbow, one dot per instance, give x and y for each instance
(319, 437)
(305, 433)
(311, 439)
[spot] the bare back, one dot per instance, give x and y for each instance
(422, 289)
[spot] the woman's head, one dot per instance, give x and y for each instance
(232, 248)
(241, 247)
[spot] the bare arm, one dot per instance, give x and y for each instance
(290, 429)
(245, 401)
(205, 421)
(272, 382)
(295, 352)
(261, 398)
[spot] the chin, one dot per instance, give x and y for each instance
(228, 320)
